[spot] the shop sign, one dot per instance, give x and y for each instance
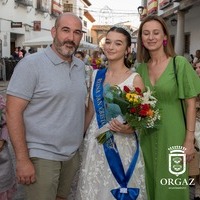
(16, 24)
(37, 25)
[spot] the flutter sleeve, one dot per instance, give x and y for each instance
(188, 80)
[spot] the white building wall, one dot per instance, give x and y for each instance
(80, 6)
(11, 11)
(192, 25)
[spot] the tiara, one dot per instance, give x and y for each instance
(123, 27)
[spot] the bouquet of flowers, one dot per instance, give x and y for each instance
(138, 109)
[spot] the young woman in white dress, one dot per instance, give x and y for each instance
(96, 178)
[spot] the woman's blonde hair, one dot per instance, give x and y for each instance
(143, 53)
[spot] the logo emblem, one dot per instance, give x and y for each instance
(177, 160)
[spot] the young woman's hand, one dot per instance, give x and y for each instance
(116, 126)
(190, 150)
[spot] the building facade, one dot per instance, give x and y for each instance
(182, 18)
(22, 20)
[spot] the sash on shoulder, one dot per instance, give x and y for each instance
(110, 148)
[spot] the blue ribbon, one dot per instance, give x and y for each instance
(132, 193)
(110, 148)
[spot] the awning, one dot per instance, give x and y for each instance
(47, 40)
(38, 42)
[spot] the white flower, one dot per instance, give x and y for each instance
(148, 98)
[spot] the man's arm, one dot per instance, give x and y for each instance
(14, 116)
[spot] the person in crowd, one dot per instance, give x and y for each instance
(7, 173)
(20, 53)
(97, 180)
(103, 58)
(15, 54)
(191, 58)
(196, 59)
(30, 51)
(156, 55)
(86, 57)
(194, 166)
(88, 68)
(23, 50)
(95, 61)
(80, 55)
(46, 113)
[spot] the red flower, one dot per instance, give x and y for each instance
(126, 89)
(132, 110)
(138, 90)
(143, 113)
(145, 107)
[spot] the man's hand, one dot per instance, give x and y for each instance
(25, 172)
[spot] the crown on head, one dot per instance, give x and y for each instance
(123, 27)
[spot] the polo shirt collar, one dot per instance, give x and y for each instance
(55, 58)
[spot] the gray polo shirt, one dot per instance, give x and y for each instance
(54, 117)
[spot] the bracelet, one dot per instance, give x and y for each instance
(190, 130)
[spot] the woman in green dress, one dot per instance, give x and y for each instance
(169, 147)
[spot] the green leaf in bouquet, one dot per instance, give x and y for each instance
(123, 104)
(103, 137)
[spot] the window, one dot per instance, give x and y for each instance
(85, 23)
(43, 5)
(187, 43)
(68, 7)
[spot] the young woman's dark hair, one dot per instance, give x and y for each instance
(126, 32)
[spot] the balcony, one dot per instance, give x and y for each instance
(164, 4)
(44, 9)
(152, 7)
(25, 2)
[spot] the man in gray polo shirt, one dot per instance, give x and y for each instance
(45, 113)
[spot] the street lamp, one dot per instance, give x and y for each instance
(140, 9)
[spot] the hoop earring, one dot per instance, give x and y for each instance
(164, 43)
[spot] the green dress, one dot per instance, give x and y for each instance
(162, 180)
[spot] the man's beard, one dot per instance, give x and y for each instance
(63, 50)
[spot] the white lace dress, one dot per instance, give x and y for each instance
(95, 179)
